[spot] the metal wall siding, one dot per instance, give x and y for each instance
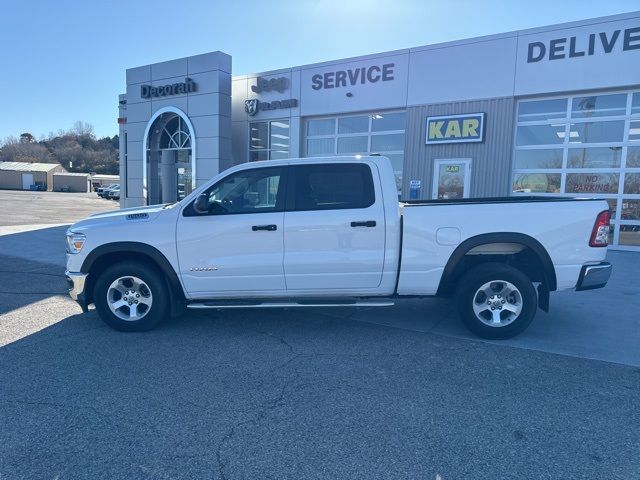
(490, 160)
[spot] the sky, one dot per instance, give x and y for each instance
(65, 60)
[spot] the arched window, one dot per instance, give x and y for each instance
(168, 167)
(175, 134)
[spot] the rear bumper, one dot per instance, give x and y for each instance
(76, 283)
(594, 276)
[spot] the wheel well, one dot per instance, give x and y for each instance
(104, 260)
(517, 250)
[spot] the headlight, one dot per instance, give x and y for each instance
(75, 242)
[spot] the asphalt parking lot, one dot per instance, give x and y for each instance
(42, 208)
(402, 392)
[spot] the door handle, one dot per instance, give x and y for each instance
(269, 228)
(368, 223)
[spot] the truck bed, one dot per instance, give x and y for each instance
(431, 235)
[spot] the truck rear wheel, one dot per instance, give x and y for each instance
(496, 301)
(131, 297)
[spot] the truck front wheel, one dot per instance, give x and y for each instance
(496, 301)
(131, 297)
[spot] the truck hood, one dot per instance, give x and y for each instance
(129, 211)
(125, 215)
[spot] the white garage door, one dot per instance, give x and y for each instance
(27, 181)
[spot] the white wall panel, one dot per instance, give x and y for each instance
(207, 147)
(212, 82)
(135, 130)
(172, 68)
(212, 126)
(138, 112)
(139, 74)
(209, 61)
(134, 168)
(240, 142)
(134, 149)
(204, 104)
(177, 101)
(207, 168)
(462, 72)
(239, 91)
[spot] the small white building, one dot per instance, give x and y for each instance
(28, 176)
(100, 180)
(72, 182)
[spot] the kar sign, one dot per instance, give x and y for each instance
(455, 128)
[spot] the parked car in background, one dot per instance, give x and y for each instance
(329, 232)
(107, 191)
(100, 190)
(114, 193)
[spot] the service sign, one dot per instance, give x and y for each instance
(455, 128)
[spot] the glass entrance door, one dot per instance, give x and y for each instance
(184, 173)
(451, 179)
(168, 171)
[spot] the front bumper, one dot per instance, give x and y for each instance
(594, 276)
(76, 283)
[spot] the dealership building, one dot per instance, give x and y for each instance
(546, 111)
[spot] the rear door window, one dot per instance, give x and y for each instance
(331, 187)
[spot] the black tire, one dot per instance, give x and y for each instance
(467, 296)
(155, 286)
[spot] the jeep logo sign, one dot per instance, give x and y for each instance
(455, 128)
(188, 86)
(279, 84)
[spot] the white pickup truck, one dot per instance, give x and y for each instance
(328, 232)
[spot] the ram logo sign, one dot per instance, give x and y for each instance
(455, 128)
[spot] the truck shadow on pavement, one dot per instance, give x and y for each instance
(34, 243)
(600, 324)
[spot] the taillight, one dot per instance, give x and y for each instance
(600, 233)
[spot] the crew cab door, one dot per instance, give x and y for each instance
(334, 228)
(238, 245)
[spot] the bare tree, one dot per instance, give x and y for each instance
(76, 149)
(18, 151)
(82, 128)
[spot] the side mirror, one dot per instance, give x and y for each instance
(201, 205)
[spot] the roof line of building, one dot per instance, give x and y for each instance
(452, 43)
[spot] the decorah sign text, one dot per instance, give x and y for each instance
(188, 86)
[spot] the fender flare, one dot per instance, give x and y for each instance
(536, 247)
(175, 286)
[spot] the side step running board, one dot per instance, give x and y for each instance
(287, 305)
